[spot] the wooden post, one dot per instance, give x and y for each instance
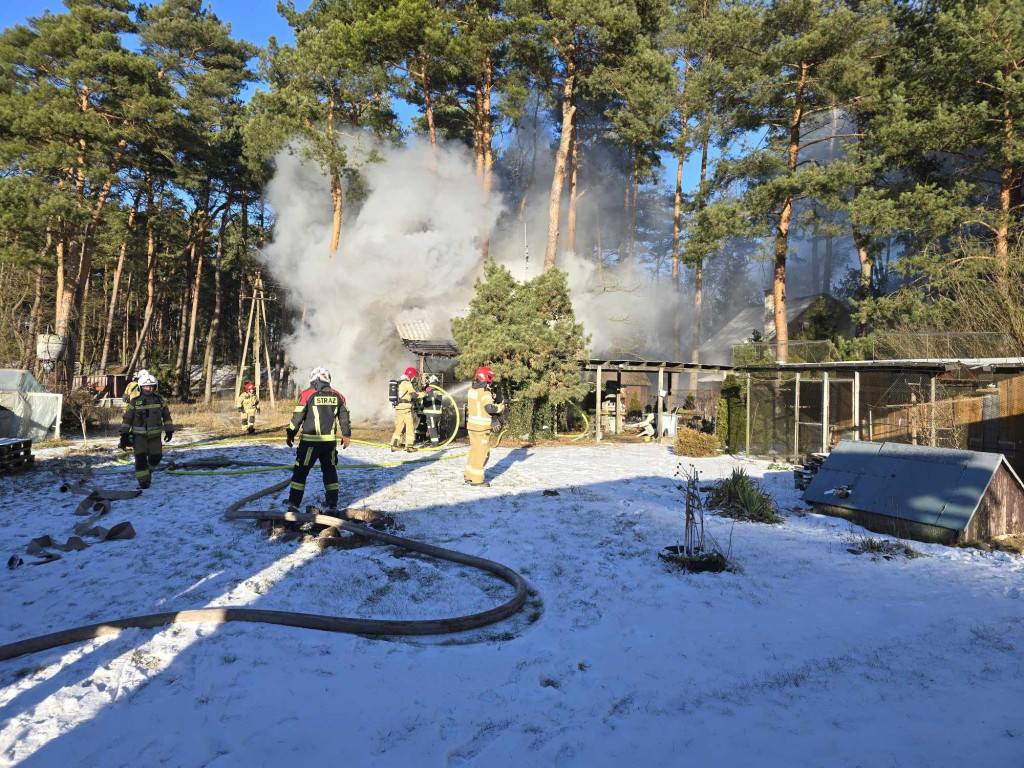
(749, 398)
(824, 411)
(796, 418)
(856, 405)
(245, 350)
(618, 403)
(256, 368)
(931, 416)
(661, 400)
(597, 410)
(266, 350)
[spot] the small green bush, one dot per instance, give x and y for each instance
(692, 442)
(740, 496)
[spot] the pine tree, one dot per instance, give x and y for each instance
(324, 88)
(527, 332)
(797, 92)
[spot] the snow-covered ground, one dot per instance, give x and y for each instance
(808, 656)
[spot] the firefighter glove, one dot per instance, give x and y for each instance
(241, 409)
(258, 409)
(289, 438)
(168, 436)
(498, 397)
(344, 442)
(124, 441)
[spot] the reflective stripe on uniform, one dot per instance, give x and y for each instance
(472, 471)
(298, 486)
(318, 438)
(331, 487)
(309, 457)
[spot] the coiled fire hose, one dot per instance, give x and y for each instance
(343, 624)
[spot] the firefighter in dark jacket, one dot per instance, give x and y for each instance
(146, 416)
(433, 404)
(481, 405)
(320, 413)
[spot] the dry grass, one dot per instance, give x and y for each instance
(884, 549)
(690, 442)
(1013, 543)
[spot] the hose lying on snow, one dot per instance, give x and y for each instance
(304, 620)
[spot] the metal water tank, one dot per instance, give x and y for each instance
(50, 346)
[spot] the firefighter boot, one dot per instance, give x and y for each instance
(394, 445)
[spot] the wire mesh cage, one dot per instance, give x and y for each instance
(795, 414)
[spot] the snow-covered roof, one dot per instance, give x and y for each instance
(932, 486)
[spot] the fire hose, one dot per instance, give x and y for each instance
(343, 624)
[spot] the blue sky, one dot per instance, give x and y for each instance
(252, 20)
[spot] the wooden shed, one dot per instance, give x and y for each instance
(920, 492)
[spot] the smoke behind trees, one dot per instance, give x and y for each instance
(412, 247)
(412, 244)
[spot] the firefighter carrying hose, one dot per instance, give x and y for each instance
(433, 404)
(404, 420)
(145, 416)
(249, 406)
(321, 412)
(483, 402)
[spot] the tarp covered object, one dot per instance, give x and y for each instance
(36, 411)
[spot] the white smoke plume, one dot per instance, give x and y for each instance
(413, 245)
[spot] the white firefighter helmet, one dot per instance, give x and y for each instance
(432, 380)
(320, 374)
(140, 373)
(146, 379)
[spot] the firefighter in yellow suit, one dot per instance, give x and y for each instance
(248, 407)
(404, 419)
(481, 406)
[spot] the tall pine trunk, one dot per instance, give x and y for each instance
(555, 198)
(338, 202)
(151, 260)
(785, 219)
(211, 340)
(698, 267)
(194, 319)
(573, 191)
(677, 219)
(179, 361)
(486, 138)
(115, 287)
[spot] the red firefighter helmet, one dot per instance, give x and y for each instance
(484, 373)
(410, 372)
(250, 387)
